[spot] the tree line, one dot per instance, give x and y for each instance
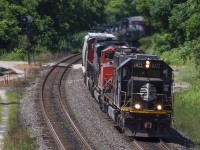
(177, 23)
(57, 24)
(60, 24)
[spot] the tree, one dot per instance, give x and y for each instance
(117, 10)
(160, 12)
(9, 25)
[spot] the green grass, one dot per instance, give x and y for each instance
(187, 101)
(172, 57)
(17, 136)
(186, 112)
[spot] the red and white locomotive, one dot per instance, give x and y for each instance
(134, 88)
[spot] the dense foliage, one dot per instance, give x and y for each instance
(177, 23)
(58, 25)
(172, 26)
(55, 21)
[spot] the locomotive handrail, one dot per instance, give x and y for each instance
(107, 84)
(126, 103)
(164, 98)
(156, 95)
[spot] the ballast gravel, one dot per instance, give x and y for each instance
(31, 117)
(96, 125)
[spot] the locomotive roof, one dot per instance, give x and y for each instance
(102, 35)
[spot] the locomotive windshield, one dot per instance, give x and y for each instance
(141, 72)
(109, 56)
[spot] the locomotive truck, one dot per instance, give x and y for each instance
(132, 87)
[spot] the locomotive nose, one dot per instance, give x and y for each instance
(148, 92)
(147, 89)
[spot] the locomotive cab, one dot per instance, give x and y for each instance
(143, 94)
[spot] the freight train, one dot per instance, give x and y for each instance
(129, 29)
(132, 87)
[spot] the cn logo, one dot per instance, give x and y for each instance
(148, 92)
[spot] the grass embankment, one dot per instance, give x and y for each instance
(17, 136)
(187, 105)
(187, 100)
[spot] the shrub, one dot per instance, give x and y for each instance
(76, 40)
(191, 50)
(162, 43)
(172, 57)
(17, 54)
(146, 44)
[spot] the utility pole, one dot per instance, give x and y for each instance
(27, 30)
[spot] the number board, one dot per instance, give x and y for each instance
(142, 64)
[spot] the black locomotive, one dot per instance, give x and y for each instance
(134, 88)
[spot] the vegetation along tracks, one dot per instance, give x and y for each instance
(62, 127)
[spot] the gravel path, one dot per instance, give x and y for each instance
(4, 117)
(12, 65)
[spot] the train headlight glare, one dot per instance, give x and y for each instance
(147, 64)
(159, 107)
(137, 106)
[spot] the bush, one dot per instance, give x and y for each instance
(172, 57)
(17, 55)
(76, 41)
(191, 50)
(146, 44)
(162, 43)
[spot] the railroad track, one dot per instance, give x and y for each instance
(56, 115)
(150, 144)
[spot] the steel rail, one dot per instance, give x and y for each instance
(138, 145)
(55, 136)
(160, 142)
(69, 118)
(164, 144)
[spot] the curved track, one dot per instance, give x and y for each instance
(55, 114)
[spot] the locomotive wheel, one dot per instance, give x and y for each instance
(101, 105)
(84, 77)
(92, 91)
(91, 88)
(119, 129)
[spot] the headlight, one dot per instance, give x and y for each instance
(137, 106)
(159, 107)
(147, 64)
